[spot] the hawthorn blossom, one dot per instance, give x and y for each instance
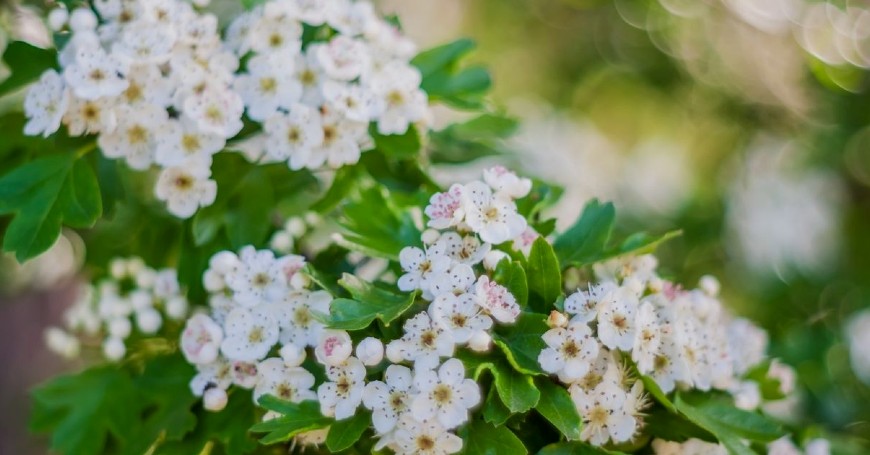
(389, 399)
(492, 216)
(445, 395)
(570, 351)
(496, 300)
(424, 342)
(460, 315)
(419, 267)
(45, 104)
(446, 209)
(185, 189)
(201, 339)
(287, 383)
(501, 180)
(333, 348)
(249, 333)
(341, 396)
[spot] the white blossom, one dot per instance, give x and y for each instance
(341, 396)
(445, 395)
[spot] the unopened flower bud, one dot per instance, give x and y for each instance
(430, 236)
(292, 355)
(491, 259)
(480, 341)
(148, 320)
(82, 20)
(295, 227)
(710, 285)
(282, 242)
(114, 349)
(394, 352)
(370, 351)
(333, 348)
(120, 327)
(214, 399)
(57, 19)
(557, 319)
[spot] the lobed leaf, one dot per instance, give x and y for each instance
(584, 242)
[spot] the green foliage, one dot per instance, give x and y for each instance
(575, 448)
(27, 63)
(369, 302)
(494, 411)
(516, 390)
(375, 226)
(43, 195)
(545, 276)
(585, 240)
(557, 407)
(522, 343)
(227, 430)
(511, 275)
(398, 146)
(470, 140)
(445, 80)
(296, 418)
(345, 433)
(481, 438)
(730, 425)
(84, 411)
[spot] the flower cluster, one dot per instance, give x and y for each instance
(679, 338)
(133, 298)
(159, 86)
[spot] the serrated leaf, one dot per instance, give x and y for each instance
(296, 418)
(369, 303)
(228, 429)
(584, 242)
(545, 276)
(43, 195)
(557, 407)
(483, 438)
(444, 80)
(27, 63)
(522, 342)
(470, 140)
(730, 425)
(516, 390)
(375, 227)
(345, 433)
(494, 411)
(511, 275)
(639, 243)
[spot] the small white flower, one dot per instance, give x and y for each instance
(616, 320)
(583, 305)
(94, 74)
(215, 374)
(419, 267)
(304, 329)
(292, 137)
(350, 99)
(45, 104)
(148, 320)
(424, 342)
(400, 101)
(269, 85)
(135, 136)
(496, 300)
(292, 355)
(524, 241)
(457, 280)
(185, 189)
(460, 315)
(603, 413)
(276, 34)
(114, 349)
(216, 111)
(464, 249)
(445, 209)
(648, 338)
(287, 383)
(370, 351)
(480, 341)
(493, 216)
(342, 141)
(425, 438)
(145, 42)
(61, 342)
(389, 399)
(201, 339)
(343, 58)
(249, 334)
(258, 277)
(181, 142)
(340, 397)
(333, 348)
(90, 116)
(446, 395)
(245, 374)
(570, 351)
(501, 180)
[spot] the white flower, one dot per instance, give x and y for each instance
(333, 348)
(292, 355)
(647, 339)
(257, 278)
(747, 395)
(94, 74)
(214, 399)
(460, 315)
(389, 399)
(419, 267)
(352, 100)
(245, 374)
(616, 320)
(292, 137)
(569, 352)
(340, 397)
(446, 395)
(276, 34)
(201, 339)
(400, 100)
(90, 116)
(370, 351)
(148, 320)
(216, 111)
(457, 280)
(496, 300)
(185, 189)
(464, 249)
(215, 374)
(304, 329)
(524, 241)
(424, 342)
(135, 136)
(493, 216)
(481, 341)
(445, 209)
(501, 180)
(180, 142)
(145, 42)
(269, 85)
(114, 349)
(425, 438)
(45, 104)
(61, 342)
(342, 141)
(343, 58)
(287, 383)
(249, 334)
(603, 413)
(584, 304)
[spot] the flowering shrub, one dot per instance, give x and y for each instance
(304, 294)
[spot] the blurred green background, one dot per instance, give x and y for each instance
(744, 123)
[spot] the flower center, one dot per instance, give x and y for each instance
(570, 349)
(284, 391)
(302, 316)
(256, 335)
(268, 84)
(425, 443)
(491, 214)
(97, 75)
(136, 134)
(427, 338)
(190, 143)
(442, 394)
(598, 416)
(183, 182)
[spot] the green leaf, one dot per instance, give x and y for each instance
(247, 217)
(522, 342)
(557, 407)
(82, 411)
(770, 387)
(545, 275)
(441, 57)
(481, 438)
(345, 433)
(444, 80)
(494, 411)
(640, 243)
(369, 303)
(473, 139)
(652, 387)
(375, 227)
(296, 418)
(511, 275)
(584, 242)
(575, 448)
(228, 428)
(345, 181)
(397, 146)
(43, 195)
(27, 63)
(729, 424)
